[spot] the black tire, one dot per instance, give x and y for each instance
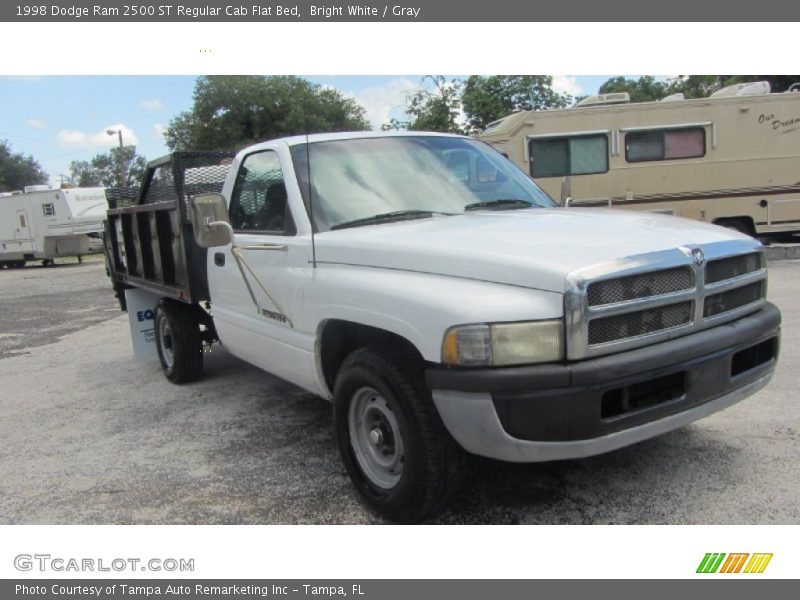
(179, 342)
(431, 463)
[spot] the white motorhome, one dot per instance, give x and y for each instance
(42, 223)
(730, 159)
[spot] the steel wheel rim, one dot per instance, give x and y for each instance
(375, 438)
(167, 347)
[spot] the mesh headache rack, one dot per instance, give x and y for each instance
(149, 241)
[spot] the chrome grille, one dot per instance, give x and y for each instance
(647, 298)
(643, 285)
(724, 302)
(735, 266)
(642, 322)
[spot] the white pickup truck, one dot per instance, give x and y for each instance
(443, 303)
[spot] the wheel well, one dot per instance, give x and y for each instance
(339, 338)
(747, 222)
(205, 323)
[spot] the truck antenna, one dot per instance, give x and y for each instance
(310, 203)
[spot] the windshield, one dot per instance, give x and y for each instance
(359, 179)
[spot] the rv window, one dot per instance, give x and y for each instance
(22, 220)
(48, 209)
(259, 196)
(665, 144)
(578, 155)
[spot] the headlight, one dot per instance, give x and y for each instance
(504, 344)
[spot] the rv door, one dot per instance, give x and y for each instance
(23, 229)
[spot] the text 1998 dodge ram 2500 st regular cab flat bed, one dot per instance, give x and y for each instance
(443, 302)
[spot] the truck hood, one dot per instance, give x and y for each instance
(533, 248)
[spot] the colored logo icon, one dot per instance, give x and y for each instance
(719, 562)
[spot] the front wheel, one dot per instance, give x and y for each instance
(179, 342)
(397, 452)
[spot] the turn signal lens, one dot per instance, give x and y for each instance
(468, 346)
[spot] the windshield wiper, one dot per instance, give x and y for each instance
(397, 215)
(502, 203)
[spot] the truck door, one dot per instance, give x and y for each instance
(256, 285)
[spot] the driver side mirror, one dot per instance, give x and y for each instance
(210, 222)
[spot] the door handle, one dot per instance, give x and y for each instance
(219, 259)
(278, 247)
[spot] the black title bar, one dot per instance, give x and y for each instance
(408, 11)
(374, 589)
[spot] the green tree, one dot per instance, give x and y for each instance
(644, 89)
(700, 86)
(395, 125)
(648, 89)
(487, 99)
(119, 167)
(231, 112)
(434, 107)
(18, 170)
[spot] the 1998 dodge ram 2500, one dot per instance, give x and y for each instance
(443, 302)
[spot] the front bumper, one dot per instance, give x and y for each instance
(572, 410)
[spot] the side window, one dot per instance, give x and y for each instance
(457, 162)
(259, 196)
(22, 220)
(485, 172)
(48, 209)
(576, 155)
(665, 144)
(474, 171)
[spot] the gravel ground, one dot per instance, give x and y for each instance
(42, 304)
(88, 435)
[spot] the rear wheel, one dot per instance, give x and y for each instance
(394, 445)
(178, 342)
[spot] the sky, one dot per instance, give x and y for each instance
(58, 119)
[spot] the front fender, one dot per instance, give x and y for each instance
(420, 307)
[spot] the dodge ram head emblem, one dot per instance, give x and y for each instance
(695, 253)
(698, 256)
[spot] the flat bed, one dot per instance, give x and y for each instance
(148, 235)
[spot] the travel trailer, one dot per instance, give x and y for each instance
(42, 224)
(729, 159)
